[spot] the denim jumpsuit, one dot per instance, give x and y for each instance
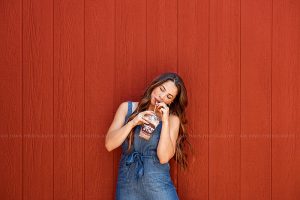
(140, 174)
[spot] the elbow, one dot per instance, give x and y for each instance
(163, 161)
(107, 146)
(163, 157)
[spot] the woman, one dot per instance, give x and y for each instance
(144, 170)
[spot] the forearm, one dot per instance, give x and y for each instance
(116, 137)
(165, 149)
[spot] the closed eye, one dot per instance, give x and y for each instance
(163, 89)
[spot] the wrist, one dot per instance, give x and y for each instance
(131, 124)
(165, 122)
(165, 118)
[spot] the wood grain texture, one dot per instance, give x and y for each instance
(193, 35)
(99, 95)
(11, 100)
(161, 37)
(162, 45)
(130, 57)
(224, 100)
(38, 99)
(256, 32)
(69, 99)
(67, 65)
(285, 100)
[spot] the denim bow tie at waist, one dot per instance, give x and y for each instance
(138, 159)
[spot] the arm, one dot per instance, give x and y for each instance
(167, 142)
(117, 133)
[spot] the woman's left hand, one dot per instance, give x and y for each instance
(164, 110)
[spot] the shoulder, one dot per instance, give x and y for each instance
(174, 124)
(123, 107)
(174, 119)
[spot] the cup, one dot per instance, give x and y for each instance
(148, 129)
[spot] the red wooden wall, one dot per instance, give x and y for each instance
(66, 65)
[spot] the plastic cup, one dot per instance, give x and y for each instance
(148, 129)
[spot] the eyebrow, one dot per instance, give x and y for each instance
(165, 89)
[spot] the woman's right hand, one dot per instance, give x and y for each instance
(140, 119)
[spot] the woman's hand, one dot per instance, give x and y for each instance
(139, 119)
(164, 110)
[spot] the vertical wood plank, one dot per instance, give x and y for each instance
(130, 49)
(161, 37)
(38, 99)
(11, 99)
(193, 30)
(68, 99)
(130, 60)
(256, 27)
(285, 100)
(104, 55)
(162, 45)
(99, 97)
(224, 100)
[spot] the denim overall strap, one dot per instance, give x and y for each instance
(129, 111)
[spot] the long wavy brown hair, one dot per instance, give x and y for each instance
(177, 107)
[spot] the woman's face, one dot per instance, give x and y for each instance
(166, 93)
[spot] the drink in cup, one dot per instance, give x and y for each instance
(148, 129)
